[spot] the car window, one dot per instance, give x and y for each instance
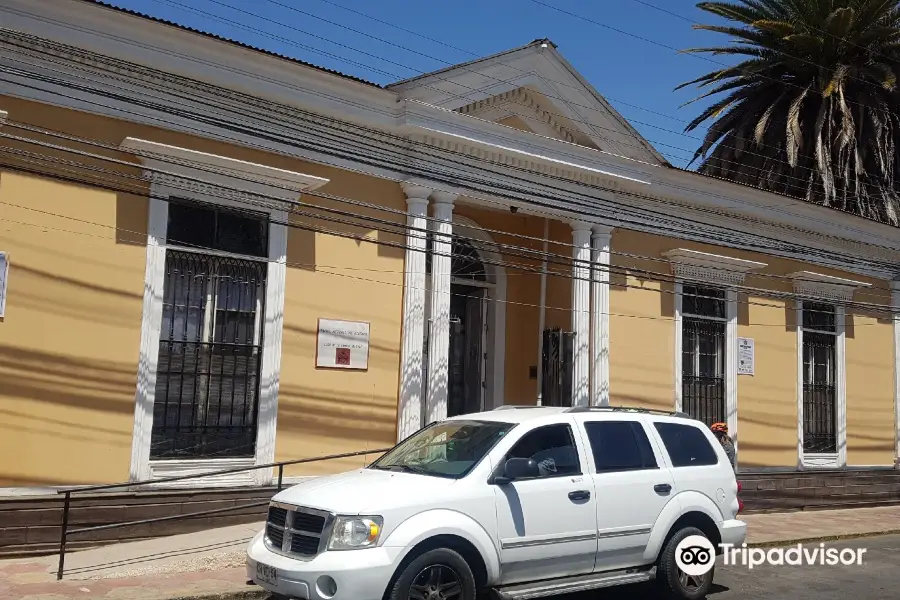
(447, 449)
(620, 446)
(552, 447)
(687, 445)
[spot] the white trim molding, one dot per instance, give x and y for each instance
(3, 117)
(826, 288)
(895, 306)
(825, 460)
(600, 342)
(192, 175)
(711, 270)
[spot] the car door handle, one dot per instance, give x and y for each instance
(579, 495)
(662, 488)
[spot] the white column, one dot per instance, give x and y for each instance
(895, 306)
(409, 412)
(581, 315)
(439, 337)
(600, 316)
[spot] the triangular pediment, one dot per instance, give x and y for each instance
(528, 110)
(535, 89)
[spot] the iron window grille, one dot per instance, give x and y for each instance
(819, 378)
(703, 353)
(211, 336)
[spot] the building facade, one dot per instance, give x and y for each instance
(215, 257)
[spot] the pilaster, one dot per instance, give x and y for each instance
(439, 337)
(600, 315)
(581, 315)
(409, 413)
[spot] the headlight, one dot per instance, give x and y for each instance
(351, 533)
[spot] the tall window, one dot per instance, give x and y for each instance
(819, 378)
(210, 349)
(703, 321)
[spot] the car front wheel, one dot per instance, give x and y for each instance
(677, 583)
(439, 574)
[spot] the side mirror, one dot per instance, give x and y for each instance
(520, 468)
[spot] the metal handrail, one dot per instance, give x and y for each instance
(66, 532)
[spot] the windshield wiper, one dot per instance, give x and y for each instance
(409, 469)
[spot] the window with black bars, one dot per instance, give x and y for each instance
(211, 336)
(703, 321)
(819, 378)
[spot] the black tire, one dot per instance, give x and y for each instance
(670, 578)
(456, 577)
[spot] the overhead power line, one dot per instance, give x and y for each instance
(403, 144)
(504, 248)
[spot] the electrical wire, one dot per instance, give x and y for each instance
(531, 192)
(640, 146)
(533, 270)
(707, 193)
(534, 253)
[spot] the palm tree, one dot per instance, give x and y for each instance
(812, 109)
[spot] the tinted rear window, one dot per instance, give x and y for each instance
(619, 446)
(687, 445)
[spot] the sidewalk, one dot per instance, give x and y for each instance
(210, 565)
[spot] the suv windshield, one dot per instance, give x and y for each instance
(447, 449)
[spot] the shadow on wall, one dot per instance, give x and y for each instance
(58, 379)
(63, 404)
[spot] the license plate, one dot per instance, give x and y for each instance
(266, 574)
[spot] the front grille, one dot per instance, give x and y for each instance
(277, 516)
(304, 544)
(275, 535)
(309, 523)
(296, 530)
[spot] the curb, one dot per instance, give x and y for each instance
(822, 538)
(254, 594)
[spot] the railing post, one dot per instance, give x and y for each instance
(280, 475)
(63, 534)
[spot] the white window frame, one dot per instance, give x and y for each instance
(4, 282)
(824, 289)
(226, 182)
(703, 269)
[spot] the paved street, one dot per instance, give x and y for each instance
(878, 577)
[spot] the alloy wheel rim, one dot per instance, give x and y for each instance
(436, 582)
(691, 582)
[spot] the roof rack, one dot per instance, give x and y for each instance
(634, 409)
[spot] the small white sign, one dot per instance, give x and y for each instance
(745, 356)
(342, 344)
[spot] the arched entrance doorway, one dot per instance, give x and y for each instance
(477, 310)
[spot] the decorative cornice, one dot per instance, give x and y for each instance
(747, 225)
(520, 97)
(825, 287)
(188, 161)
(714, 268)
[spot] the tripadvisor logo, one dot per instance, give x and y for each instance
(793, 556)
(695, 555)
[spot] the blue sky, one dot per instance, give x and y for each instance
(637, 76)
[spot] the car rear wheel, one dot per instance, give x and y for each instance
(439, 574)
(674, 581)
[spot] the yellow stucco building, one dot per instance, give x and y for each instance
(214, 257)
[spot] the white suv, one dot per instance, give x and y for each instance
(526, 501)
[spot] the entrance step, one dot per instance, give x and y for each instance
(567, 585)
